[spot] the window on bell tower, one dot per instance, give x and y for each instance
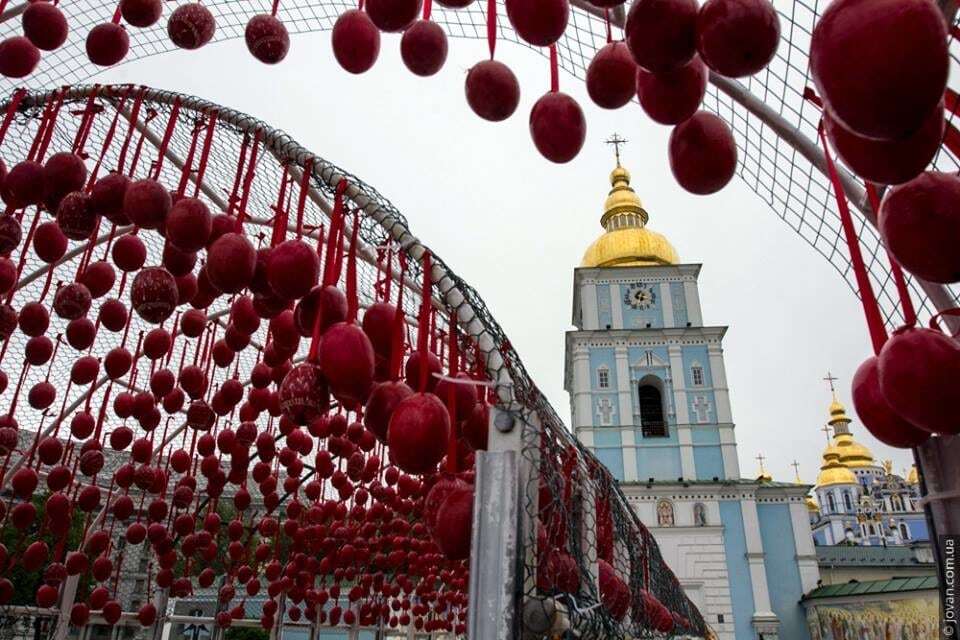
(696, 373)
(603, 378)
(651, 411)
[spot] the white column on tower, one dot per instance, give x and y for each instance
(625, 406)
(588, 305)
(616, 308)
(692, 298)
(666, 304)
(755, 557)
(582, 398)
(684, 437)
(803, 543)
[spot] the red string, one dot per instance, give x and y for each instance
(241, 162)
(302, 197)
(42, 129)
(951, 138)
(51, 125)
(205, 153)
(427, 9)
(606, 18)
(134, 115)
(935, 320)
(167, 134)
(248, 179)
(423, 321)
(352, 302)
(14, 103)
(492, 26)
(116, 15)
(86, 121)
(878, 335)
(188, 163)
(108, 139)
(554, 71)
(276, 6)
(453, 369)
(396, 351)
(280, 216)
(906, 304)
(336, 222)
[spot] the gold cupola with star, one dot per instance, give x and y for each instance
(626, 242)
(852, 454)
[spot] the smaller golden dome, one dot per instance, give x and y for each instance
(913, 477)
(832, 472)
(838, 413)
(812, 505)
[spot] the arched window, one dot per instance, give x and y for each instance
(651, 411)
(699, 515)
(873, 529)
(665, 513)
(904, 531)
(847, 502)
(897, 503)
(831, 503)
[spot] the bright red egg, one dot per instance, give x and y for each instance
(356, 41)
(539, 22)
(661, 34)
(107, 44)
(191, 26)
(423, 47)
(558, 127)
(671, 97)
(875, 413)
(267, 39)
(492, 90)
(611, 76)
(737, 38)
(703, 154)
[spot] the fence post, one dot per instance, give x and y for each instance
(495, 546)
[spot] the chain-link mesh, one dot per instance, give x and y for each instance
(771, 166)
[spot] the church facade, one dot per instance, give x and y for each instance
(649, 396)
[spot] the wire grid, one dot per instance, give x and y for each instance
(794, 189)
(220, 174)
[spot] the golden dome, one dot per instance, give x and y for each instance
(852, 453)
(811, 504)
(833, 472)
(913, 477)
(627, 241)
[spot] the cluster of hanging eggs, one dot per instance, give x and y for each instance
(397, 517)
(881, 69)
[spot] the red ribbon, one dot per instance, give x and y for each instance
(423, 321)
(11, 111)
(492, 26)
(906, 304)
(554, 70)
(205, 153)
(352, 303)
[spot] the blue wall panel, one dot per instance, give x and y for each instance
(659, 463)
(708, 462)
(783, 575)
(738, 571)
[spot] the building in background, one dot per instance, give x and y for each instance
(649, 396)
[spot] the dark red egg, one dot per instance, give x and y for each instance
(558, 127)
(492, 90)
(672, 96)
(356, 41)
(107, 44)
(98, 277)
(919, 370)
(34, 319)
(875, 412)
(920, 225)
(45, 25)
(188, 225)
(178, 263)
(888, 161)
(141, 13)
(378, 323)
(454, 524)
(412, 370)
(476, 427)
(38, 350)
(393, 15)
(539, 22)
(880, 66)
(612, 76)
(231, 261)
(293, 269)
(346, 358)
(18, 57)
(267, 39)
(418, 433)
(303, 394)
(661, 34)
(146, 203)
(72, 301)
(113, 315)
(737, 38)
(10, 234)
(465, 394)
(74, 217)
(703, 154)
(63, 173)
(191, 26)
(129, 253)
(153, 294)
(106, 198)
(614, 592)
(81, 332)
(24, 182)
(380, 405)
(423, 47)
(8, 275)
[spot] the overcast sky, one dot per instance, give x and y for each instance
(515, 226)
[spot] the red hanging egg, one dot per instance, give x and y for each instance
(919, 373)
(378, 323)
(49, 243)
(383, 400)
(231, 261)
(113, 315)
(10, 234)
(24, 182)
(454, 524)
(303, 394)
(412, 370)
(33, 319)
(98, 277)
(612, 76)
(267, 38)
(492, 90)
(74, 217)
(178, 263)
(107, 44)
(153, 294)
(81, 333)
(188, 225)
(737, 38)
(418, 433)
(880, 66)
(293, 269)
(346, 358)
(703, 154)
(106, 198)
(423, 47)
(63, 173)
(476, 428)
(356, 41)
(614, 592)
(672, 96)
(661, 34)
(147, 614)
(393, 15)
(42, 395)
(539, 22)
(18, 57)
(8, 275)
(558, 127)
(141, 13)
(38, 350)
(191, 26)
(920, 225)
(45, 25)
(328, 301)
(875, 413)
(888, 161)
(72, 301)
(465, 394)
(146, 203)
(558, 571)
(129, 253)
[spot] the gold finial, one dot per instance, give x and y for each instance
(764, 476)
(796, 471)
(888, 467)
(831, 379)
(826, 430)
(616, 141)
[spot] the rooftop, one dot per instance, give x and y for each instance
(863, 556)
(873, 587)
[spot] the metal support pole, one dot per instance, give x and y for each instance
(495, 542)
(67, 597)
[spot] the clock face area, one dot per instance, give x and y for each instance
(641, 305)
(640, 296)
